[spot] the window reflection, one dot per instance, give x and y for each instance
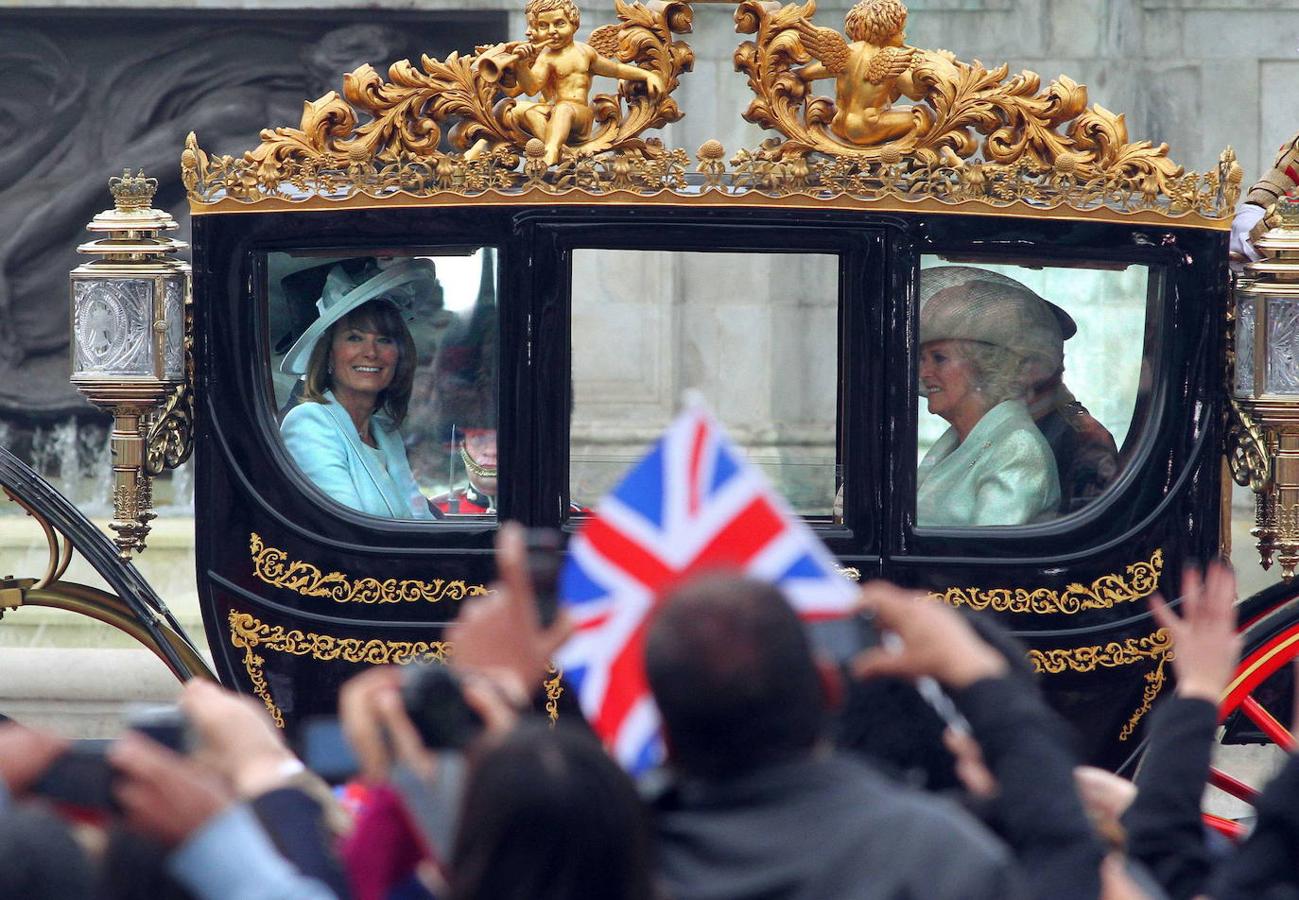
(756, 334)
(1003, 439)
(381, 366)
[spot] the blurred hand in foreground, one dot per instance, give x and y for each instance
(25, 754)
(1206, 646)
(375, 723)
(162, 794)
(930, 639)
(236, 738)
(501, 633)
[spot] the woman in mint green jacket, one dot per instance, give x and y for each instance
(983, 341)
(358, 362)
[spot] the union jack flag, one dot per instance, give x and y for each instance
(691, 504)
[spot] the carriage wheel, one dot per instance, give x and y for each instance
(1256, 701)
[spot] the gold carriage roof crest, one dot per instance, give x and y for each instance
(555, 119)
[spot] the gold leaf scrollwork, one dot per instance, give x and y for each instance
(170, 439)
(1020, 123)
(554, 688)
(1154, 684)
(273, 566)
(1157, 646)
(472, 98)
(1246, 448)
(250, 634)
(1140, 580)
(972, 135)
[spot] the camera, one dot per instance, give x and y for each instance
(432, 693)
(82, 776)
(842, 639)
(545, 565)
(435, 702)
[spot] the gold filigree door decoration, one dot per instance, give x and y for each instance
(387, 134)
(255, 637)
(274, 567)
(1156, 646)
(953, 101)
(1139, 580)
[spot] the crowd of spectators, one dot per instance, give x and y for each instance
(786, 776)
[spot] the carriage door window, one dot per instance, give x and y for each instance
(384, 373)
(755, 334)
(1032, 387)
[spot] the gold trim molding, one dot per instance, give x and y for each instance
(251, 635)
(1113, 655)
(273, 567)
(1140, 581)
(1248, 455)
(1040, 152)
(1154, 685)
(1157, 646)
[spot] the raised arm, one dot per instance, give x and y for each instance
(602, 65)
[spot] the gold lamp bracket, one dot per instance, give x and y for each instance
(131, 312)
(1263, 418)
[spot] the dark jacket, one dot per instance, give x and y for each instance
(1038, 810)
(1266, 867)
(821, 828)
(1164, 830)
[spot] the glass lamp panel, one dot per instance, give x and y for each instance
(112, 325)
(1245, 319)
(1282, 346)
(174, 314)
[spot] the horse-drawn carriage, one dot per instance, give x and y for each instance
(564, 275)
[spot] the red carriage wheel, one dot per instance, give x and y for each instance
(1260, 696)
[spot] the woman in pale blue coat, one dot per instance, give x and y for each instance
(982, 343)
(358, 362)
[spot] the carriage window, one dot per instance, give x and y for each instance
(1030, 378)
(755, 334)
(384, 372)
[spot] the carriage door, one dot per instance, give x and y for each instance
(775, 324)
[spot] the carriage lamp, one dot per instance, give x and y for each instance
(130, 305)
(1265, 389)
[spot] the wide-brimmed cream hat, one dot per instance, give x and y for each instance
(344, 293)
(994, 309)
(937, 278)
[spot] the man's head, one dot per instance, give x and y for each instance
(732, 673)
(877, 22)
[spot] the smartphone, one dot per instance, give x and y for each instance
(545, 548)
(81, 777)
(324, 749)
(435, 701)
(842, 639)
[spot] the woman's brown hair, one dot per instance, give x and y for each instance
(381, 317)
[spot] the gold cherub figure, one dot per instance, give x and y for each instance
(870, 73)
(550, 63)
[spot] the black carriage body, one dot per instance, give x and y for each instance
(298, 593)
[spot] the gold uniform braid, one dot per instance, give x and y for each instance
(1283, 178)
